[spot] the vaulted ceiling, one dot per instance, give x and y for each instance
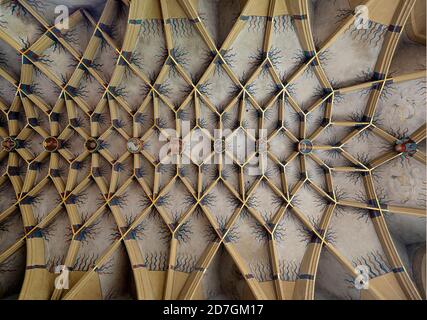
(340, 193)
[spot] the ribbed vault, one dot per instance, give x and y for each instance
(335, 186)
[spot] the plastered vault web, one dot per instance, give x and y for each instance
(126, 225)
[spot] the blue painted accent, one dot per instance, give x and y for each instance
(35, 165)
(13, 115)
(378, 76)
(26, 88)
(393, 28)
(72, 199)
(25, 60)
(33, 122)
(54, 116)
(75, 122)
(96, 172)
(13, 171)
(76, 165)
(300, 17)
(37, 233)
(372, 202)
(98, 33)
(56, 173)
(115, 201)
(118, 167)
(374, 214)
(139, 173)
(105, 28)
(32, 56)
(71, 90)
(135, 21)
(56, 32)
(28, 200)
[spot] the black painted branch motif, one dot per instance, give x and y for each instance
(303, 57)
(372, 35)
(186, 263)
(230, 171)
(120, 201)
(164, 200)
(342, 15)
(275, 57)
(182, 27)
(296, 200)
(136, 61)
(375, 261)
(156, 261)
(135, 233)
(209, 200)
(231, 235)
(184, 231)
(228, 56)
(306, 235)
(85, 262)
(32, 199)
(3, 57)
(8, 265)
(54, 262)
(151, 28)
(387, 91)
(262, 270)
(236, 88)
(87, 75)
(89, 233)
(256, 23)
(106, 268)
(262, 235)
(71, 37)
(283, 23)
(5, 226)
(16, 8)
(288, 270)
(49, 231)
(361, 197)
